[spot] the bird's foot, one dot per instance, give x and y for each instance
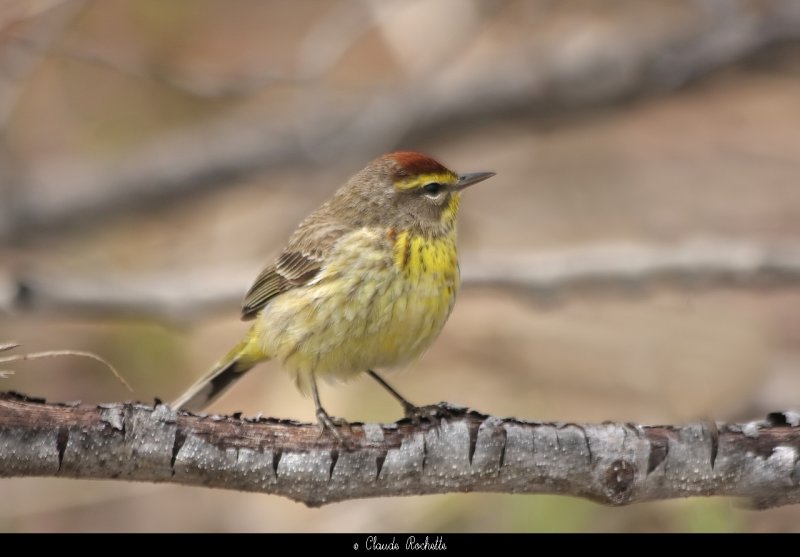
(327, 423)
(432, 413)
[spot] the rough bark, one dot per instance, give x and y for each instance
(467, 451)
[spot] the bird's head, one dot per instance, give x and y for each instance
(404, 190)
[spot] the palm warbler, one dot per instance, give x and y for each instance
(367, 281)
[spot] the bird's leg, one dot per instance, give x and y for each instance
(412, 411)
(323, 418)
(408, 408)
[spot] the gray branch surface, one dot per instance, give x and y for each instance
(611, 463)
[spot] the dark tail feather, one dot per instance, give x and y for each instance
(229, 370)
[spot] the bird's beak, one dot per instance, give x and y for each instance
(466, 180)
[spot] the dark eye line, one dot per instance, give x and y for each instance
(433, 188)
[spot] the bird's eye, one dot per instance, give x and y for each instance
(433, 188)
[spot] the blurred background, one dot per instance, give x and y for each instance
(634, 259)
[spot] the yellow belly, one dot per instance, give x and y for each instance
(379, 302)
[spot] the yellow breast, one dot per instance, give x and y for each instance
(380, 301)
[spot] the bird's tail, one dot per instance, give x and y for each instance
(225, 373)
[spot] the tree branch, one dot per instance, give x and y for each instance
(615, 464)
(600, 268)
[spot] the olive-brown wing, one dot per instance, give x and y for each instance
(290, 270)
(302, 260)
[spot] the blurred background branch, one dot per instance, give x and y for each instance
(550, 73)
(18, 60)
(624, 269)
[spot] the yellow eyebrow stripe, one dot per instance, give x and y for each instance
(420, 180)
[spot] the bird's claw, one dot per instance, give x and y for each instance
(331, 424)
(432, 413)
